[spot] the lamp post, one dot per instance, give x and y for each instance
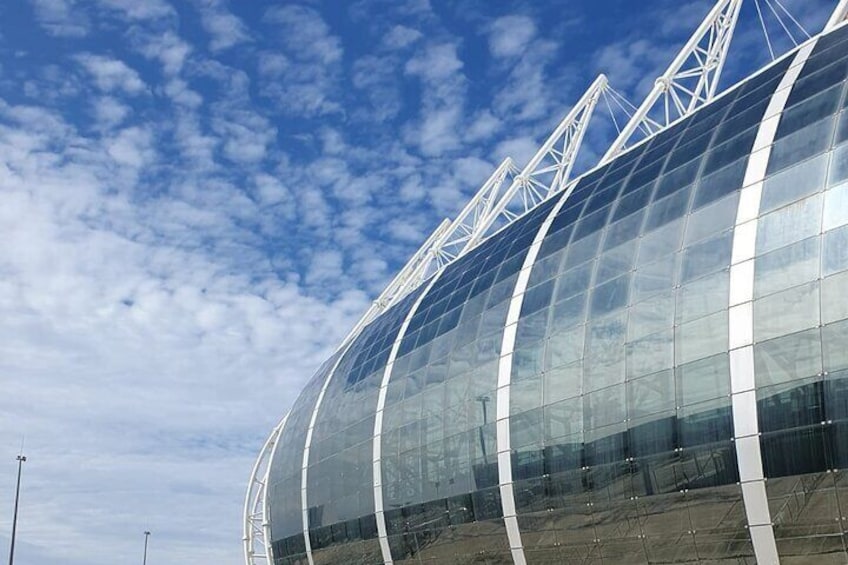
(21, 460)
(483, 399)
(146, 535)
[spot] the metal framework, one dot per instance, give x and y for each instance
(402, 280)
(840, 13)
(547, 173)
(257, 538)
(689, 82)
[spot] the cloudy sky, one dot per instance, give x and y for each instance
(199, 199)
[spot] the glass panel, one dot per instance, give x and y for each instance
(650, 354)
(712, 219)
(804, 143)
(717, 184)
(564, 347)
(703, 380)
(660, 243)
(604, 361)
(650, 316)
(787, 358)
(706, 257)
(838, 163)
(787, 311)
(568, 313)
(794, 183)
(834, 306)
(835, 251)
(562, 382)
(604, 407)
(650, 394)
(786, 267)
(655, 277)
(703, 296)
(701, 338)
(610, 295)
(790, 224)
(835, 207)
(833, 340)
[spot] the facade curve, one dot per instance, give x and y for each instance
(651, 368)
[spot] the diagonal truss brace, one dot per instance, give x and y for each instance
(840, 13)
(546, 174)
(549, 170)
(689, 82)
(404, 279)
(464, 229)
(442, 247)
(257, 538)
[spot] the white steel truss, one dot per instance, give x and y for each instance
(443, 246)
(402, 281)
(549, 170)
(257, 538)
(840, 13)
(689, 82)
(465, 228)
(547, 173)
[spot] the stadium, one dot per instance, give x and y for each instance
(643, 364)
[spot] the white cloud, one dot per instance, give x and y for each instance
(633, 65)
(139, 11)
(62, 18)
(111, 74)
(510, 35)
(401, 36)
(443, 95)
(168, 48)
(325, 266)
(305, 82)
(109, 111)
(436, 63)
(305, 33)
(225, 28)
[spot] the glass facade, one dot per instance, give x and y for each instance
(620, 418)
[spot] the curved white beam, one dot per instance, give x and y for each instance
(504, 388)
(743, 398)
(257, 540)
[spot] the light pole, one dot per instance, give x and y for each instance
(21, 460)
(146, 535)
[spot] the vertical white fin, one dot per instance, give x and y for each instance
(257, 539)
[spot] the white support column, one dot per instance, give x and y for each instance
(438, 252)
(838, 16)
(377, 459)
(257, 535)
(689, 82)
(548, 172)
(304, 469)
(741, 323)
(502, 396)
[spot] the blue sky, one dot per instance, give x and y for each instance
(199, 199)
